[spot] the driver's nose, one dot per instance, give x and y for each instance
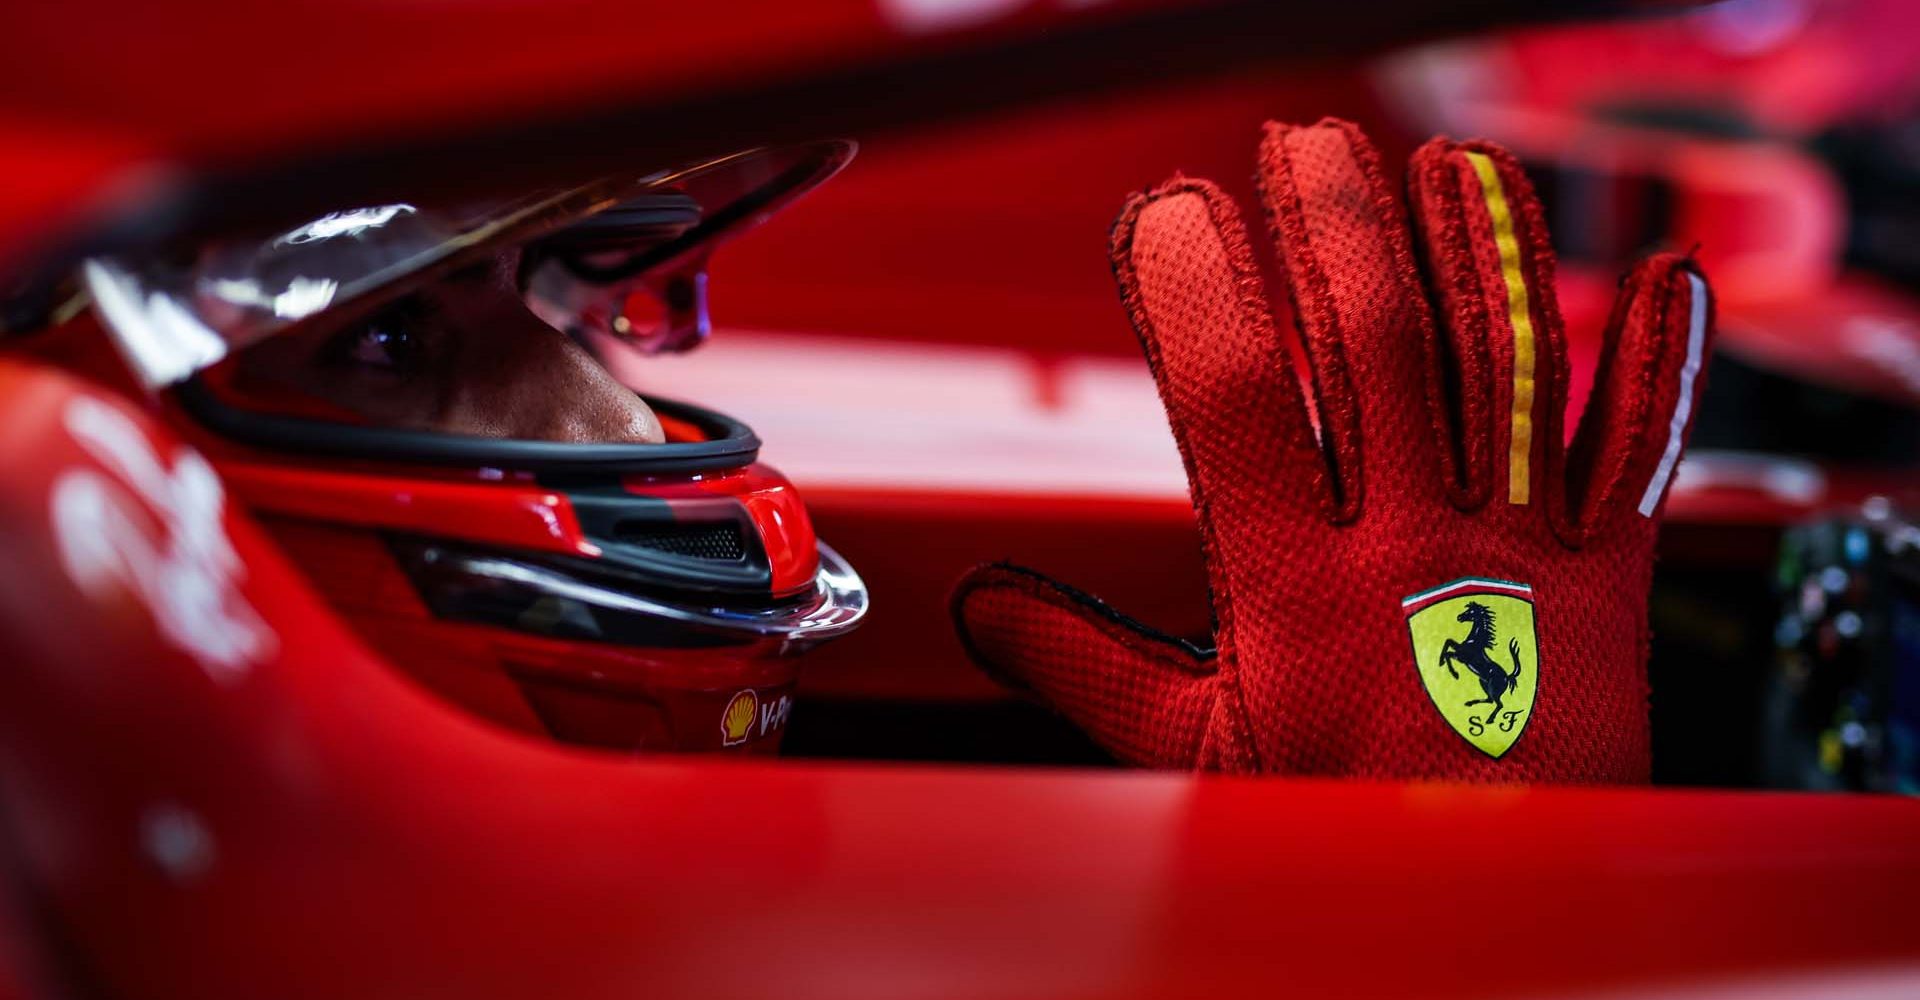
(524, 379)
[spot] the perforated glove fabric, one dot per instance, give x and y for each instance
(1436, 585)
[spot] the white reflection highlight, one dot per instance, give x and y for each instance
(302, 297)
(163, 340)
(351, 222)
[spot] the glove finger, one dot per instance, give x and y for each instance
(1235, 404)
(1485, 239)
(1196, 300)
(1652, 369)
(1144, 696)
(1363, 316)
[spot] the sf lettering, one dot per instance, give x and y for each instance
(1477, 726)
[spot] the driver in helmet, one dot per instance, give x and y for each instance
(411, 400)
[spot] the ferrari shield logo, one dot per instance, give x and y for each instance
(1474, 644)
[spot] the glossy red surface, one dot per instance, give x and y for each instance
(310, 825)
(518, 513)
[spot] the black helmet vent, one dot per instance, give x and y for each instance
(717, 542)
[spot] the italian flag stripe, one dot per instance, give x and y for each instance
(1474, 584)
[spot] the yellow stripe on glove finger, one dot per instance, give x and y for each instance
(1520, 314)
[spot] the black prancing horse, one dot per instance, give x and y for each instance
(1472, 652)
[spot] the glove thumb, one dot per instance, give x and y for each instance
(1144, 696)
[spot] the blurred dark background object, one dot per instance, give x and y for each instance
(1842, 703)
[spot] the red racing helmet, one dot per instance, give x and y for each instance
(634, 596)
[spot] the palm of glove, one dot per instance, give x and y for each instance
(1435, 586)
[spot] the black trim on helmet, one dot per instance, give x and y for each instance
(730, 443)
(644, 535)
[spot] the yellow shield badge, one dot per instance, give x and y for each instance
(1474, 644)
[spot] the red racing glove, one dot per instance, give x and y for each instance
(1435, 587)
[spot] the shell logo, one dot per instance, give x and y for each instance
(737, 721)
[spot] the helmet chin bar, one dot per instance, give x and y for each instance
(628, 597)
(573, 599)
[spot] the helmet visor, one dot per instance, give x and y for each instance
(591, 250)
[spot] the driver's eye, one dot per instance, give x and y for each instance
(383, 347)
(390, 341)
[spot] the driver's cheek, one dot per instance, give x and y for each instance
(527, 380)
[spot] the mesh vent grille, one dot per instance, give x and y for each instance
(718, 542)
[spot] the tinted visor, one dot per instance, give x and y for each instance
(177, 313)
